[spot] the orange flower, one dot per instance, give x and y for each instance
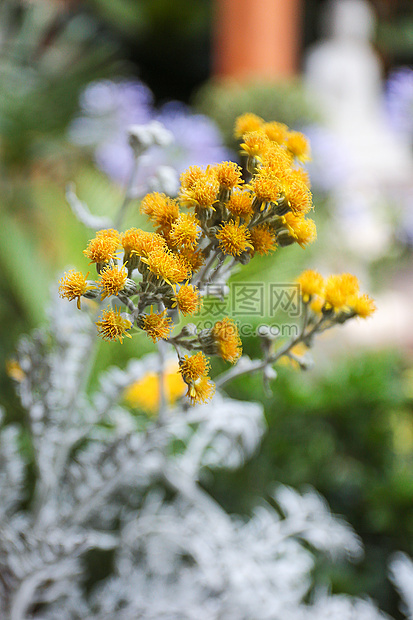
(140, 242)
(303, 175)
(190, 176)
(276, 160)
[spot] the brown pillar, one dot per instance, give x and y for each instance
(256, 38)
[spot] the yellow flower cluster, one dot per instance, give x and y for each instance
(222, 213)
(337, 297)
(145, 393)
(192, 375)
(228, 342)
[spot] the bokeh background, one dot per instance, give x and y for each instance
(75, 74)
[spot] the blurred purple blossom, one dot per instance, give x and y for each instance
(399, 100)
(109, 108)
(331, 165)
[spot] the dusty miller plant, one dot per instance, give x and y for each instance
(129, 486)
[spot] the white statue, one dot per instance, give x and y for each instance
(344, 72)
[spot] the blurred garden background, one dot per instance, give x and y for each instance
(74, 75)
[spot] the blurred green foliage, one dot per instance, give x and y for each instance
(395, 38)
(347, 430)
(47, 55)
(286, 101)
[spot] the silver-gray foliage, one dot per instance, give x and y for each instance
(106, 481)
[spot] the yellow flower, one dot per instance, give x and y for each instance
(240, 205)
(267, 187)
(144, 394)
(202, 193)
(234, 238)
(194, 367)
(201, 391)
(263, 239)
(141, 243)
(276, 132)
(73, 285)
(311, 283)
(112, 280)
(303, 175)
(296, 192)
(187, 299)
(161, 210)
(229, 174)
(255, 144)
(103, 247)
(185, 231)
(298, 350)
(112, 325)
(157, 325)
(15, 371)
(317, 305)
(194, 370)
(363, 306)
(275, 160)
(340, 290)
(298, 145)
(302, 230)
(170, 267)
(200, 189)
(190, 176)
(195, 260)
(226, 337)
(109, 233)
(246, 123)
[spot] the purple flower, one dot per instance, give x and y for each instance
(331, 164)
(197, 139)
(399, 100)
(110, 108)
